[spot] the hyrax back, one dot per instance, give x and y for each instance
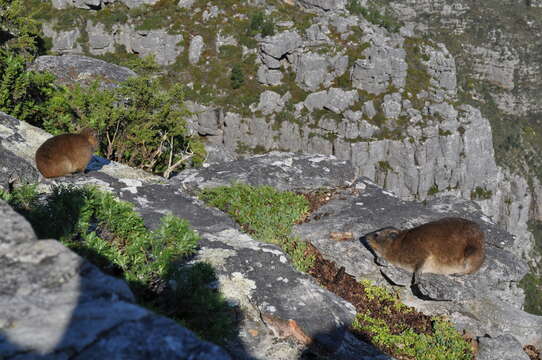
(446, 246)
(67, 153)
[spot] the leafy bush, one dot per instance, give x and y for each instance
(140, 124)
(23, 94)
(108, 233)
(18, 34)
(259, 24)
(265, 213)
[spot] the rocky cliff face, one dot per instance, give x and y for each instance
(420, 116)
(256, 277)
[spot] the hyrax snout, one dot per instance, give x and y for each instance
(67, 153)
(447, 246)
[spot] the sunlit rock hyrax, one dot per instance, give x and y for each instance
(67, 153)
(446, 246)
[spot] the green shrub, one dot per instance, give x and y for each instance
(481, 194)
(237, 77)
(265, 213)
(19, 34)
(24, 94)
(259, 24)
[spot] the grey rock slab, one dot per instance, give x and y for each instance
(280, 293)
(64, 42)
(284, 171)
(206, 120)
(195, 49)
(322, 5)
(280, 44)
(100, 41)
(14, 170)
(164, 46)
(504, 347)
(339, 100)
(383, 65)
(135, 3)
(54, 304)
(71, 69)
(268, 76)
(270, 102)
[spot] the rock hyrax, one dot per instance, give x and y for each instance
(67, 153)
(446, 246)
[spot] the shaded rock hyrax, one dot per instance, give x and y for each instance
(67, 153)
(446, 246)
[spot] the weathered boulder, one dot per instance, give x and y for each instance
(64, 41)
(70, 69)
(14, 171)
(283, 171)
(54, 304)
(195, 49)
(503, 347)
(322, 5)
(164, 46)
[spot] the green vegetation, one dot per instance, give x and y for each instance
(481, 194)
(373, 15)
(532, 282)
(265, 213)
(259, 23)
(437, 340)
(418, 78)
(108, 233)
(433, 190)
(19, 34)
(384, 166)
(237, 77)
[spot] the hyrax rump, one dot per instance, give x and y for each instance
(66, 154)
(446, 246)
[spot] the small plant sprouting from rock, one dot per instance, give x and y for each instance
(481, 194)
(265, 213)
(433, 190)
(108, 233)
(384, 166)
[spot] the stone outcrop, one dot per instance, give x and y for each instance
(70, 69)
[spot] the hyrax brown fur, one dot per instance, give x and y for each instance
(66, 154)
(446, 246)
